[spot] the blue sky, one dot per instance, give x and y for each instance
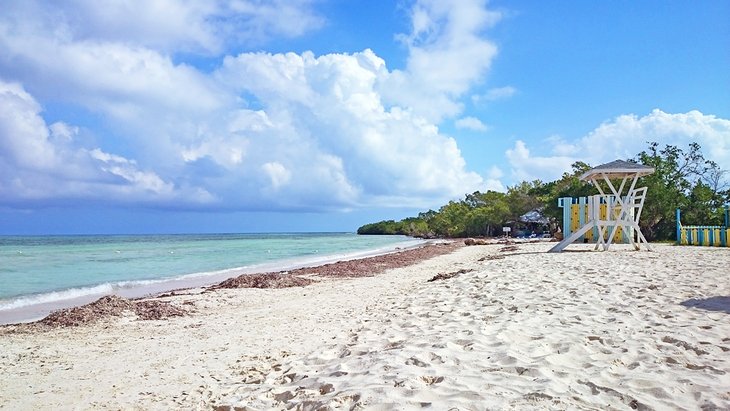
(251, 116)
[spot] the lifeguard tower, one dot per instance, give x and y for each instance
(621, 210)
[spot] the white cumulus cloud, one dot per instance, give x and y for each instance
(254, 131)
(44, 164)
(327, 107)
(170, 26)
(527, 167)
(497, 93)
(624, 137)
(494, 179)
(471, 123)
(448, 55)
(278, 174)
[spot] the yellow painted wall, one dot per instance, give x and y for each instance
(603, 215)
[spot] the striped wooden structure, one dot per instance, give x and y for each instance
(576, 214)
(704, 235)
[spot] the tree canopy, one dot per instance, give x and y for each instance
(682, 179)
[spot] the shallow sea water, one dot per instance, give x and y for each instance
(45, 269)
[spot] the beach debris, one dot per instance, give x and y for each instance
(475, 241)
(181, 291)
(446, 276)
(156, 310)
(110, 306)
(491, 257)
(508, 249)
(266, 280)
(368, 267)
(364, 267)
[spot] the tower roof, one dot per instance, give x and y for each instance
(618, 169)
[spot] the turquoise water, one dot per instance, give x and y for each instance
(46, 268)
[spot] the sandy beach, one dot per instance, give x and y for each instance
(480, 327)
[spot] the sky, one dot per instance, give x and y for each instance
(164, 116)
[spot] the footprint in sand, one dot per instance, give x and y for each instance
(430, 380)
(415, 361)
(284, 396)
(435, 358)
(395, 345)
(253, 376)
(289, 378)
(683, 344)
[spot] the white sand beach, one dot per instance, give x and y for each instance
(514, 328)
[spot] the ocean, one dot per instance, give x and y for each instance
(41, 273)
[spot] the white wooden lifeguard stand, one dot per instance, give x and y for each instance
(622, 210)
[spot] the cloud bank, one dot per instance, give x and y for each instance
(256, 131)
(162, 105)
(623, 138)
(44, 163)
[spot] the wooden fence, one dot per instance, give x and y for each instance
(705, 235)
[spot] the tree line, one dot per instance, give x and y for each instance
(683, 178)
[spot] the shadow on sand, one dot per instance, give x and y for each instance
(720, 303)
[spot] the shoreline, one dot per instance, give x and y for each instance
(35, 311)
(494, 326)
(154, 306)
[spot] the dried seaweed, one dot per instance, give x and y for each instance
(476, 241)
(446, 276)
(267, 280)
(368, 267)
(157, 310)
(364, 267)
(110, 306)
(491, 257)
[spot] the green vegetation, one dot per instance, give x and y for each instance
(683, 179)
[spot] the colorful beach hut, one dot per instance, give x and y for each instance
(623, 205)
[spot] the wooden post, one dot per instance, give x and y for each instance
(566, 203)
(679, 228)
(725, 230)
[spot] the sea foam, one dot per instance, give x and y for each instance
(54, 296)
